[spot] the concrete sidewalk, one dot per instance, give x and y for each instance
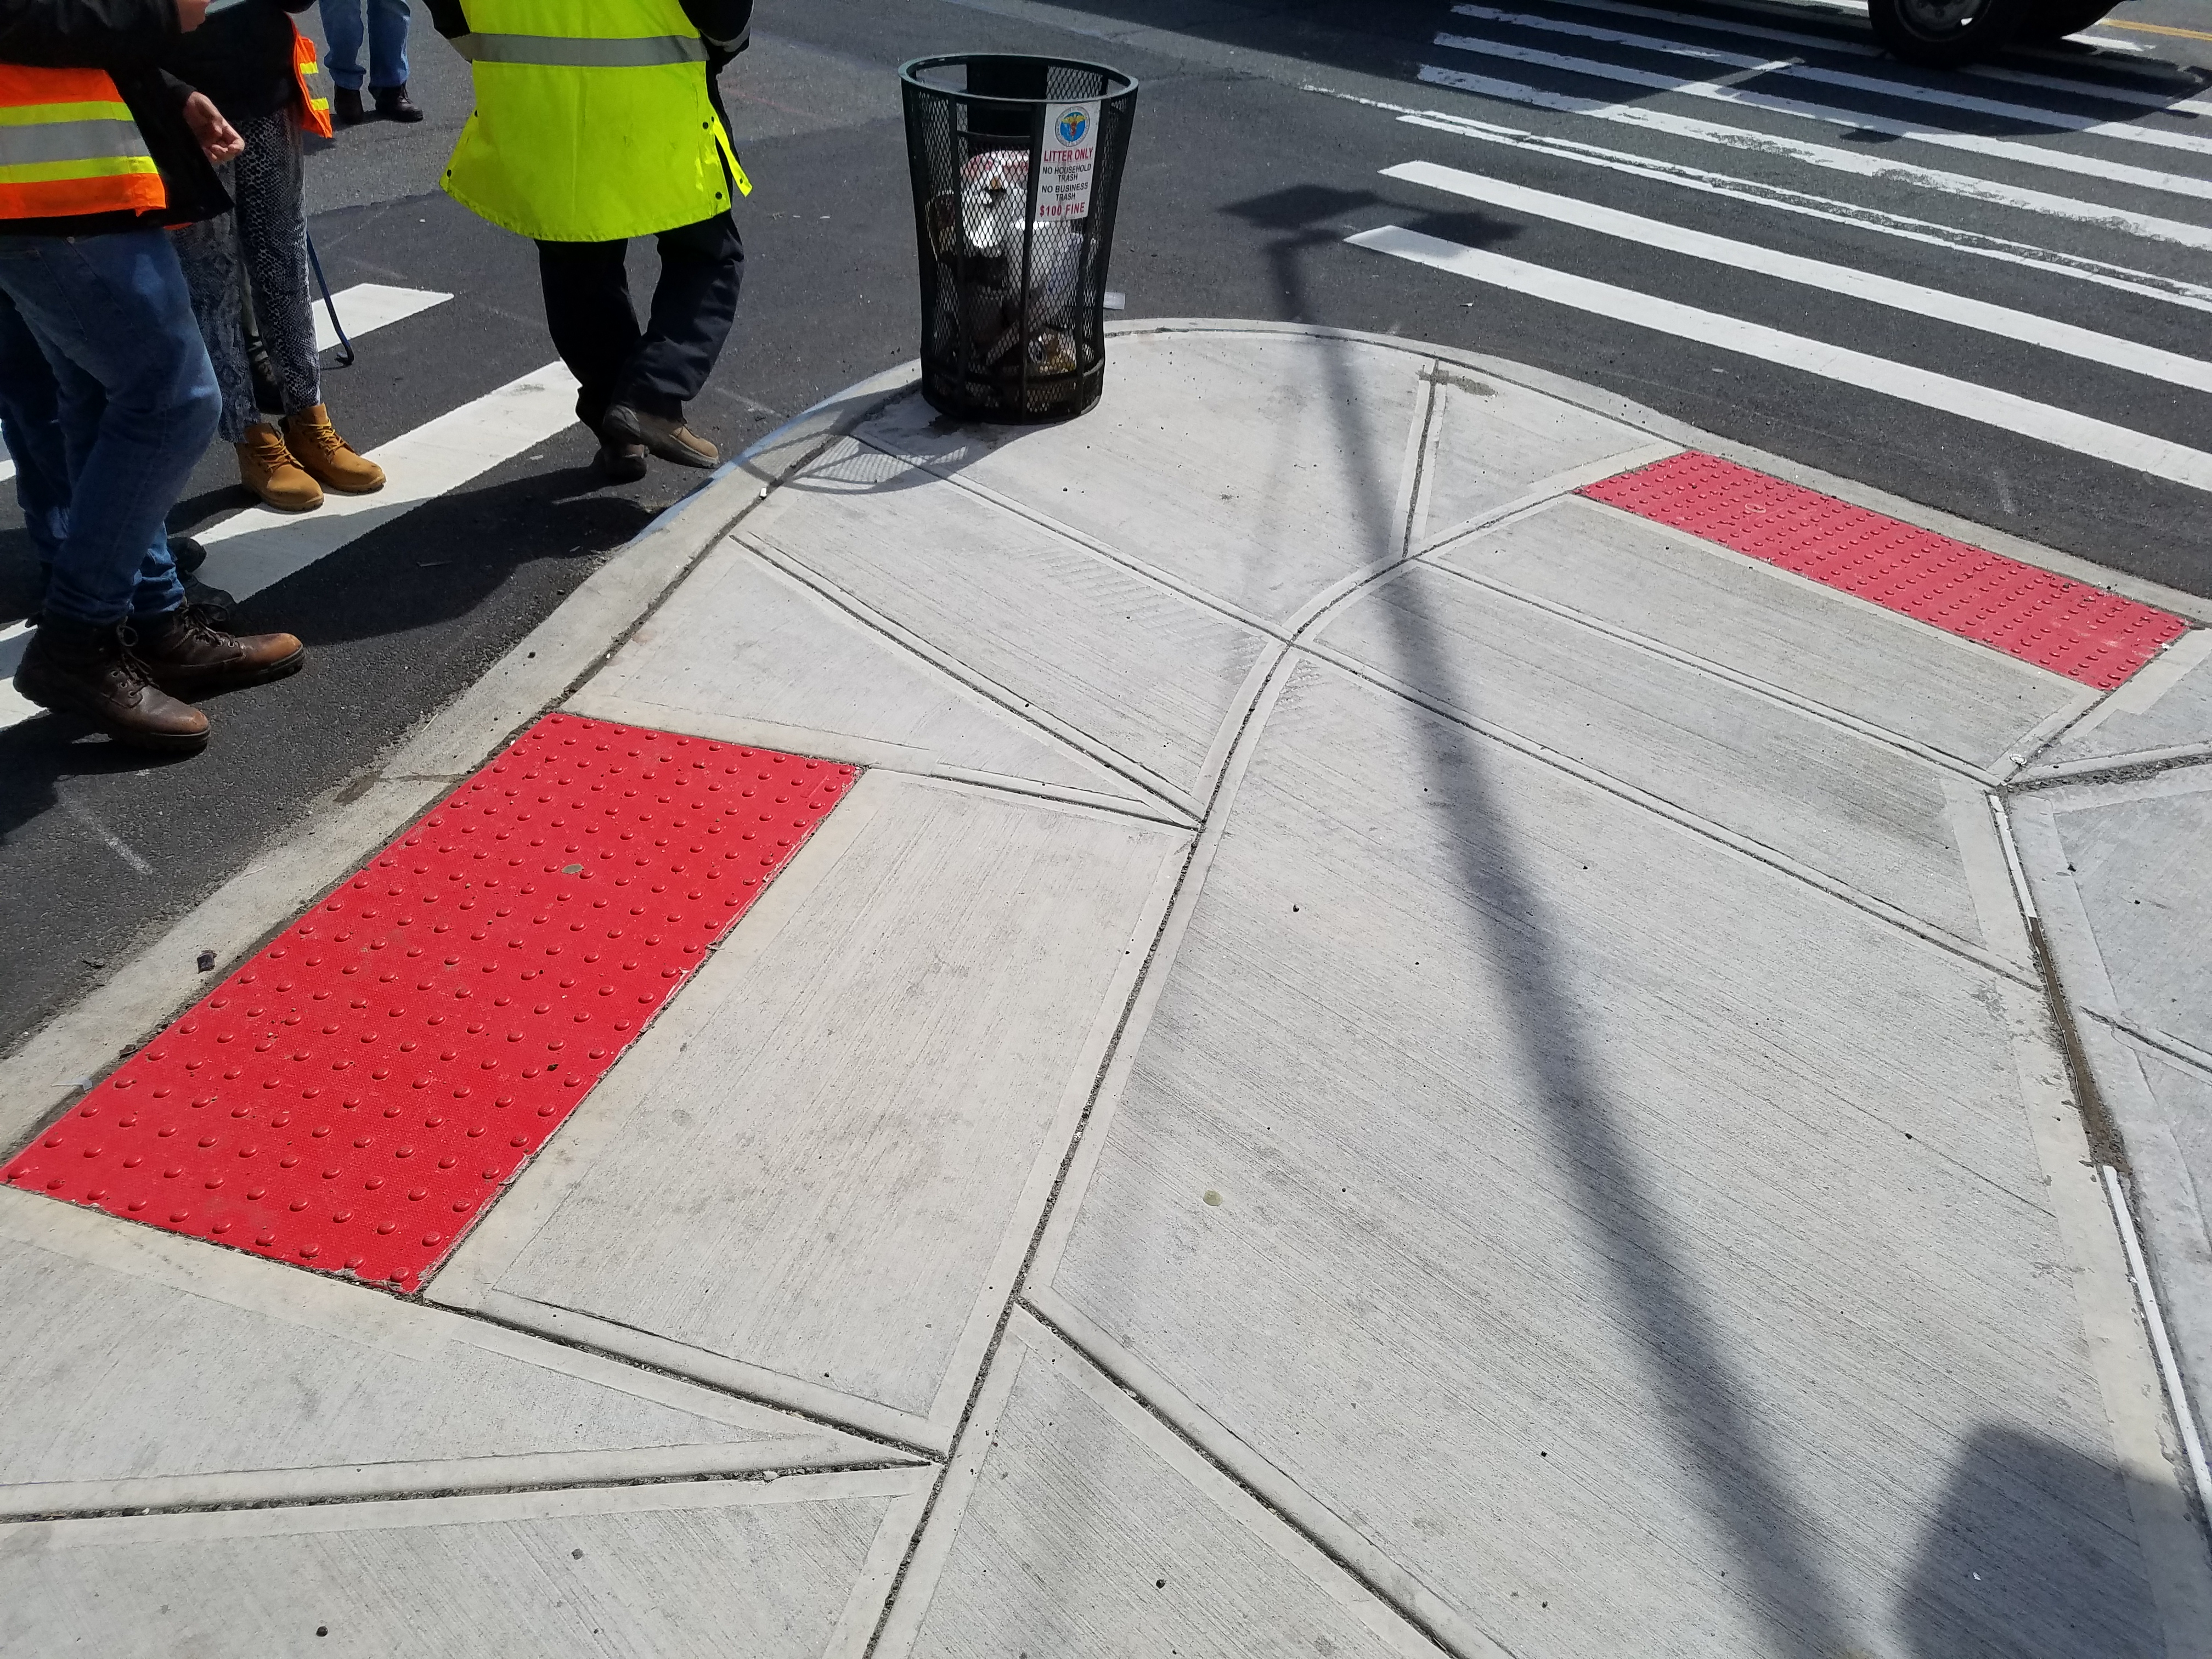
(1384, 1056)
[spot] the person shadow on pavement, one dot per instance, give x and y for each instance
(2033, 1553)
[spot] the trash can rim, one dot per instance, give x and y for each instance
(910, 72)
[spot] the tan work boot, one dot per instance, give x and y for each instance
(187, 653)
(334, 463)
(266, 467)
(88, 670)
(671, 440)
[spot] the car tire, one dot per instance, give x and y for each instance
(1945, 33)
(2054, 20)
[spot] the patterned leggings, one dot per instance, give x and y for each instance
(263, 244)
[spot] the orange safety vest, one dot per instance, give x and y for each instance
(69, 146)
(315, 111)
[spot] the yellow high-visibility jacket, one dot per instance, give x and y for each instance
(592, 121)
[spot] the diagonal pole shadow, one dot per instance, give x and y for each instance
(1684, 1351)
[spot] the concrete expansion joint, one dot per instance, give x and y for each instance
(762, 1477)
(2124, 768)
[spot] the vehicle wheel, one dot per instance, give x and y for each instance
(1945, 33)
(2054, 20)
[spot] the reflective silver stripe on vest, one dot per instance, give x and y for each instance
(68, 141)
(561, 51)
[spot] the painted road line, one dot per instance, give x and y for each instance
(2138, 450)
(2026, 327)
(2144, 284)
(2176, 102)
(367, 307)
(255, 547)
(2055, 161)
(1881, 85)
(1835, 160)
(2158, 28)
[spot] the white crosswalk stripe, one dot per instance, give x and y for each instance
(1830, 156)
(1723, 90)
(1851, 281)
(2136, 450)
(2002, 282)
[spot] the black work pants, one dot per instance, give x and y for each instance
(661, 368)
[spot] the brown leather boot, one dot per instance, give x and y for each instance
(315, 444)
(82, 669)
(266, 468)
(187, 654)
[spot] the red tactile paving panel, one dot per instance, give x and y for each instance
(2070, 628)
(353, 1097)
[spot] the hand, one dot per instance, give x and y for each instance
(219, 140)
(190, 14)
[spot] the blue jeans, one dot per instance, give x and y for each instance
(31, 422)
(136, 402)
(387, 42)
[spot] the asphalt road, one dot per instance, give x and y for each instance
(1614, 215)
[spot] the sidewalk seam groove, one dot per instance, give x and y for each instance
(1105, 1355)
(637, 712)
(767, 1476)
(1075, 537)
(1903, 920)
(2113, 768)
(1159, 788)
(1145, 980)
(2164, 1042)
(1689, 659)
(567, 1339)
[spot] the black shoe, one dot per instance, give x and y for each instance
(620, 463)
(345, 106)
(189, 554)
(215, 602)
(393, 104)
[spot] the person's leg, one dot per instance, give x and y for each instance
(387, 44)
(214, 270)
(588, 313)
(696, 302)
(387, 60)
(702, 268)
(137, 405)
(208, 252)
(342, 28)
(272, 229)
(30, 419)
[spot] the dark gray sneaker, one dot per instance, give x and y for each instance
(671, 440)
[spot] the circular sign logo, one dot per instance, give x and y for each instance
(1073, 124)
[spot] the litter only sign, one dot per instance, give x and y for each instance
(1071, 155)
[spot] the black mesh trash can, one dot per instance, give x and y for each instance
(1017, 167)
